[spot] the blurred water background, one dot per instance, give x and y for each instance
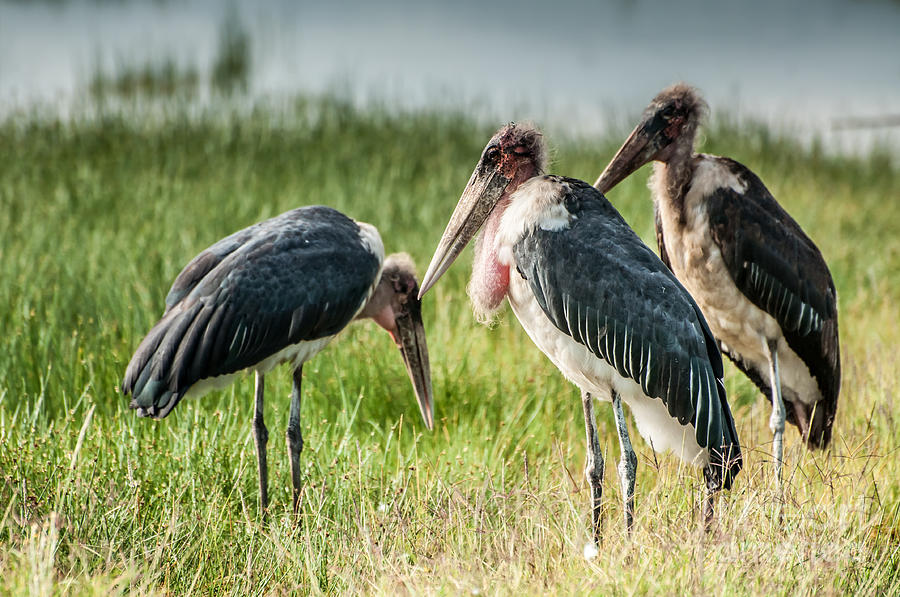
(826, 71)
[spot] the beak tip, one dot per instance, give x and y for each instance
(427, 282)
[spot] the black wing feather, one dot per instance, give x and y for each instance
(598, 283)
(776, 265)
(300, 276)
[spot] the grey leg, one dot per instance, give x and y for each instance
(776, 421)
(295, 436)
(627, 463)
(261, 435)
(593, 466)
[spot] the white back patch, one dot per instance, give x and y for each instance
(711, 174)
(537, 203)
(368, 234)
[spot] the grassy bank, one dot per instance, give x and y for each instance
(100, 214)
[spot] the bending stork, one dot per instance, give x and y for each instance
(276, 292)
(759, 280)
(599, 304)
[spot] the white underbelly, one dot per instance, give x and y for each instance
(592, 374)
(296, 354)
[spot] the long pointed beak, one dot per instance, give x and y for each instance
(411, 341)
(639, 148)
(481, 194)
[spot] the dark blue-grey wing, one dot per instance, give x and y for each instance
(776, 265)
(598, 283)
(300, 276)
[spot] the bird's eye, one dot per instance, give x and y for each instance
(492, 154)
(402, 285)
(668, 112)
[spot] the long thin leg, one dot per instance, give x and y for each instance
(593, 466)
(261, 435)
(776, 421)
(709, 499)
(627, 463)
(295, 436)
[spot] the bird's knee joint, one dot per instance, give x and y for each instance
(593, 473)
(295, 438)
(776, 424)
(628, 464)
(260, 430)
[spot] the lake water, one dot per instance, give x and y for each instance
(805, 66)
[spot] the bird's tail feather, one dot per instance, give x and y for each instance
(155, 377)
(820, 423)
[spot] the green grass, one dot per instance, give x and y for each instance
(98, 216)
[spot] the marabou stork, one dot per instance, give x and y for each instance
(760, 281)
(278, 291)
(600, 304)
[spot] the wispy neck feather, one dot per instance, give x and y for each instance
(679, 168)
